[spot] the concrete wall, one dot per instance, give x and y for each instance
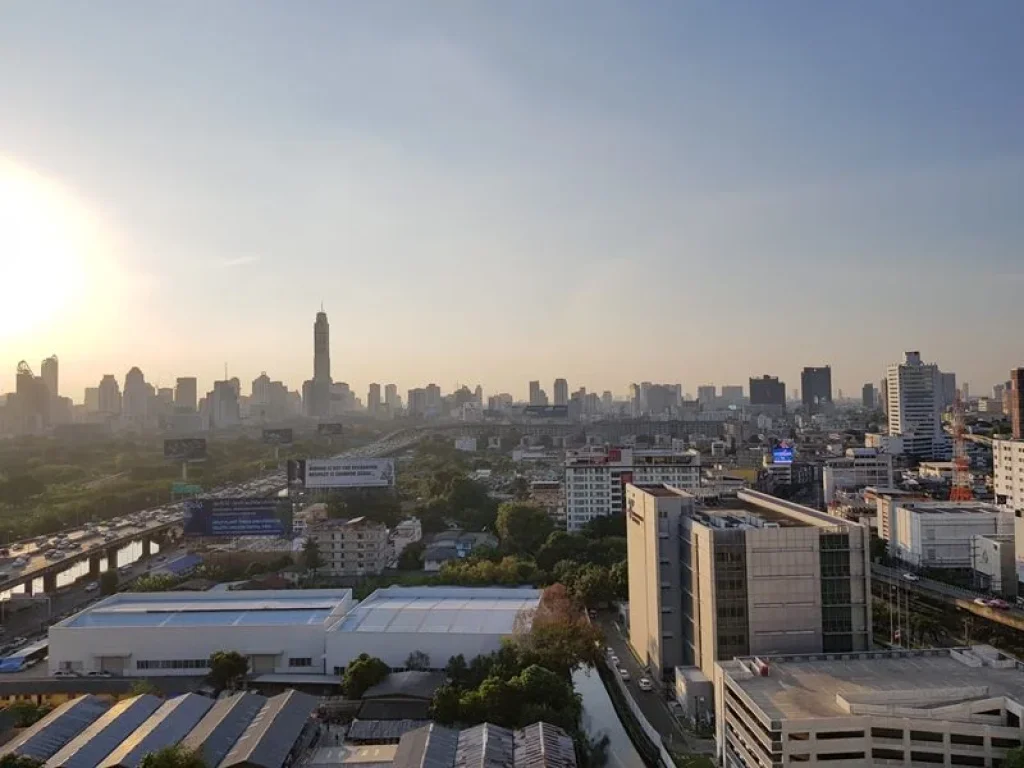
(393, 648)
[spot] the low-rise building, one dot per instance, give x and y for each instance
(454, 545)
(939, 534)
(993, 560)
(355, 547)
(936, 470)
(949, 706)
(891, 444)
(402, 535)
(859, 468)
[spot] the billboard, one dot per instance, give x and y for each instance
(546, 411)
(246, 516)
(342, 473)
(278, 436)
(782, 455)
(329, 429)
(185, 448)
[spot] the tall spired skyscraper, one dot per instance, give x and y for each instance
(318, 389)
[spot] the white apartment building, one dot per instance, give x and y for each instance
(915, 406)
(939, 534)
(1008, 473)
(858, 469)
(355, 547)
(594, 478)
(940, 706)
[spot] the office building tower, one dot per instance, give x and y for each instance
(535, 391)
(49, 372)
(434, 401)
(867, 396)
(706, 396)
(997, 392)
(92, 399)
(165, 396)
(416, 402)
(607, 401)
(185, 394)
(110, 396)
(317, 396)
(135, 403)
(260, 390)
(561, 390)
(391, 399)
(816, 387)
(594, 478)
(373, 399)
(478, 395)
(893, 707)
(1016, 403)
(31, 401)
(757, 575)
(768, 393)
(915, 407)
(883, 396)
(732, 395)
(947, 389)
(223, 405)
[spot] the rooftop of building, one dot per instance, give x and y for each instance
(932, 507)
(941, 682)
(214, 609)
(456, 610)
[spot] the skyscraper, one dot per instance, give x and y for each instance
(373, 399)
(867, 396)
(185, 394)
(915, 406)
(319, 404)
(535, 393)
(49, 373)
(391, 399)
(768, 392)
(110, 396)
(816, 385)
(561, 389)
(134, 405)
(1017, 403)
(707, 395)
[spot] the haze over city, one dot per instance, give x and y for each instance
(492, 195)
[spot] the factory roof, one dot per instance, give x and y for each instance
(893, 683)
(456, 610)
(273, 732)
(539, 745)
(368, 756)
(208, 609)
(168, 725)
(217, 732)
(103, 735)
(43, 739)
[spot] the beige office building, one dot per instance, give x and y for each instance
(759, 575)
(355, 547)
(945, 707)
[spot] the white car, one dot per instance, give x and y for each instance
(92, 586)
(645, 684)
(614, 660)
(64, 673)
(624, 674)
(911, 577)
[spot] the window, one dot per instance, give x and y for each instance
(802, 736)
(887, 754)
(842, 756)
(303, 662)
(840, 735)
(1005, 743)
(955, 759)
(927, 757)
(886, 733)
(963, 738)
(925, 736)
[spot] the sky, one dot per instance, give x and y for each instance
(490, 193)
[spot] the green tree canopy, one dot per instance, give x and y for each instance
(227, 669)
(108, 582)
(523, 528)
(174, 756)
(561, 545)
(417, 660)
(363, 673)
(411, 558)
(11, 760)
(311, 558)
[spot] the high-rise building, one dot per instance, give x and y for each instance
(768, 392)
(31, 401)
(757, 575)
(732, 394)
(260, 390)
(92, 399)
(816, 386)
(915, 406)
(947, 389)
(391, 399)
(223, 405)
(707, 395)
(1016, 398)
(883, 396)
(185, 394)
(49, 372)
(434, 402)
(561, 390)
(478, 395)
(535, 392)
(416, 401)
(135, 403)
(867, 396)
(109, 396)
(607, 401)
(318, 400)
(373, 399)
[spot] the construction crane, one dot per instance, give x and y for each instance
(963, 485)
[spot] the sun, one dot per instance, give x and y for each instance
(45, 241)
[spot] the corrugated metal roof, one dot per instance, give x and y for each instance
(274, 731)
(46, 737)
(168, 725)
(485, 746)
(543, 745)
(432, 746)
(222, 725)
(382, 730)
(102, 736)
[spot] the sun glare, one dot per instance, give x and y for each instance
(45, 241)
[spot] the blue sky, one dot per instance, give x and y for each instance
(494, 192)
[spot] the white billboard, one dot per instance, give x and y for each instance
(350, 473)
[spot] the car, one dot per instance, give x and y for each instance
(19, 641)
(614, 660)
(981, 601)
(609, 650)
(92, 586)
(644, 684)
(100, 673)
(1002, 605)
(624, 674)
(911, 577)
(64, 673)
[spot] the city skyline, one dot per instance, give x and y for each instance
(473, 204)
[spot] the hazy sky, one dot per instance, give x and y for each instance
(494, 192)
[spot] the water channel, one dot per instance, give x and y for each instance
(599, 717)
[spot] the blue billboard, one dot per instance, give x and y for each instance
(782, 455)
(238, 517)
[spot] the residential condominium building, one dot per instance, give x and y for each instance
(355, 547)
(757, 575)
(859, 468)
(594, 479)
(1008, 473)
(940, 706)
(915, 407)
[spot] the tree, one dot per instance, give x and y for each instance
(523, 528)
(593, 586)
(227, 669)
(142, 687)
(363, 673)
(607, 525)
(457, 671)
(417, 660)
(560, 637)
(25, 713)
(1014, 758)
(445, 706)
(520, 488)
(174, 756)
(11, 760)
(411, 558)
(108, 582)
(561, 545)
(311, 556)
(619, 574)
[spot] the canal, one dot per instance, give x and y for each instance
(599, 718)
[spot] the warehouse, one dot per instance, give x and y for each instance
(292, 634)
(174, 633)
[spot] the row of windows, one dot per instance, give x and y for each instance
(172, 664)
(302, 662)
